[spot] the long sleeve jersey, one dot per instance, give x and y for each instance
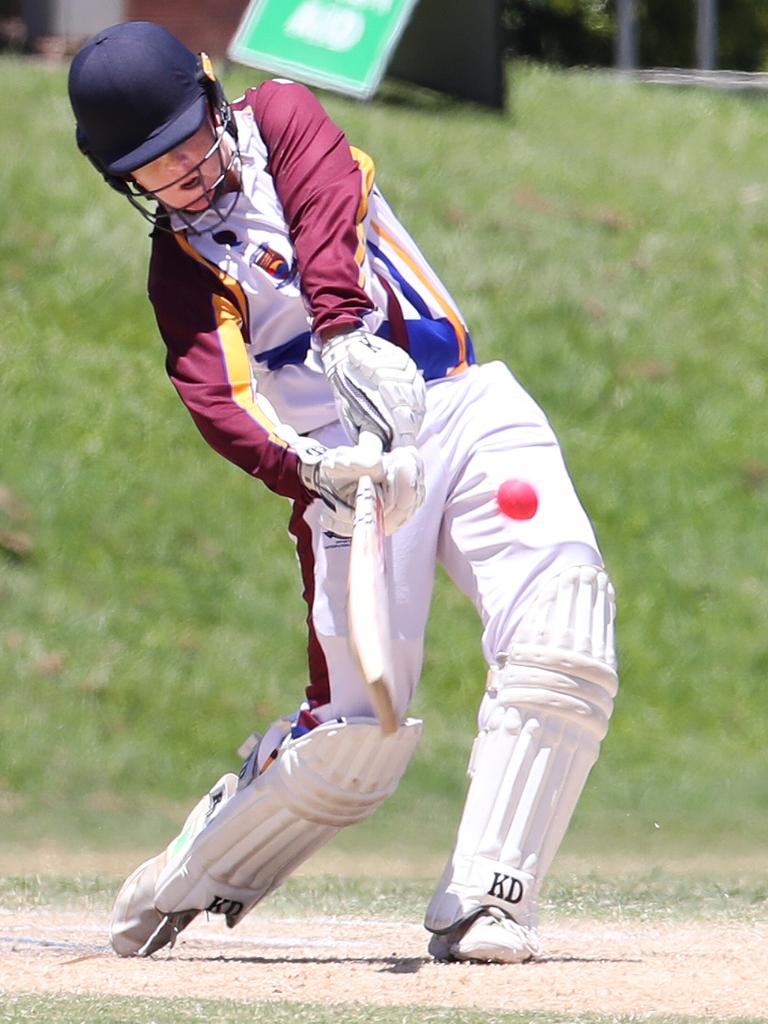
(310, 245)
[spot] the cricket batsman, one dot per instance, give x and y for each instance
(297, 313)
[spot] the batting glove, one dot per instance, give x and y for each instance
(332, 474)
(376, 385)
(402, 489)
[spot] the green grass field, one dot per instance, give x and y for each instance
(609, 241)
(133, 1011)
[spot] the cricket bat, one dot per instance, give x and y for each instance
(368, 598)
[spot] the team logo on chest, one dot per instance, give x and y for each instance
(274, 264)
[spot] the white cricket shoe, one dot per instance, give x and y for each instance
(137, 928)
(489, 937)
(134, 918)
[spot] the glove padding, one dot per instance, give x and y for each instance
(402, 488)
(377, 387)
(333, 474)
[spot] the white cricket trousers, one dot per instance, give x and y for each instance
(481, 428)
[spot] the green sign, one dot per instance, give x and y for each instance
(335, 44)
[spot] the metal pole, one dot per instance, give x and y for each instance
(706, 35)
(626, 35)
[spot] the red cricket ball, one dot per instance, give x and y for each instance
(517, 499)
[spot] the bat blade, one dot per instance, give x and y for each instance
(368, 603)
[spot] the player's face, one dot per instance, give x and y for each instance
(183, 178)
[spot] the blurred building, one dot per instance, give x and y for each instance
(201, 24)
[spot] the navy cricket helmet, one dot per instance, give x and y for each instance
(137, 92)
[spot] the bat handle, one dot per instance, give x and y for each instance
(371, 446)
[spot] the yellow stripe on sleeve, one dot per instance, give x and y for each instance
(368, 171)
(238, 367)
(226, 280)
(230, 320)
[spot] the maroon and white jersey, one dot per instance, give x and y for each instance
(310, 244)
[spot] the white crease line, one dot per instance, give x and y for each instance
(244, 939)
(284, 942)
(26, 940)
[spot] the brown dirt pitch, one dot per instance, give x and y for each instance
(699, 970)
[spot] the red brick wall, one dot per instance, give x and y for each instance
(201, 24)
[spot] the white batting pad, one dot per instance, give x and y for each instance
(542, 720)
(333, 776)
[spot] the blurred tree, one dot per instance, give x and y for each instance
(743, 38)
(667, 33)
(560, 31)
(571, 32)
